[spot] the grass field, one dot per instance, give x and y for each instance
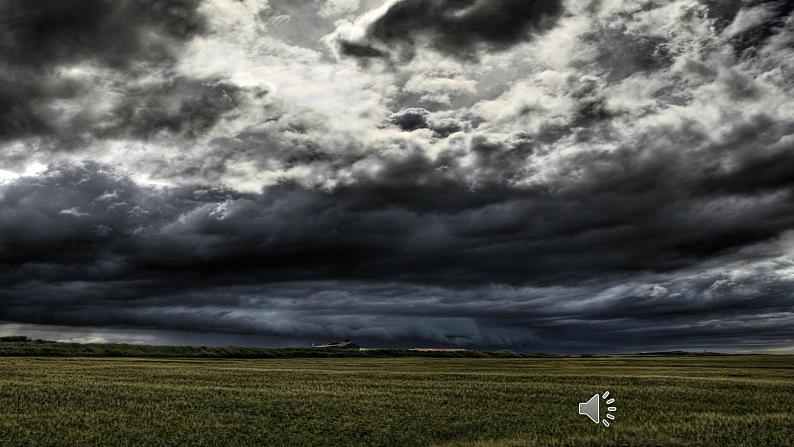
(704, 401)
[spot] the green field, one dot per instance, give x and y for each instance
(704, 401)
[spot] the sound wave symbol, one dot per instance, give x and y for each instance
(610, 409)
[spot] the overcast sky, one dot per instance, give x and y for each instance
(540, 175)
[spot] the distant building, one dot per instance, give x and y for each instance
(347, 344)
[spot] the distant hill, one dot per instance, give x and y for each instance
(20, 346)
(23, 347)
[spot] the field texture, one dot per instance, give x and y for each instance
(704, 401)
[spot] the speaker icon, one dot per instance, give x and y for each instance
(592, 408)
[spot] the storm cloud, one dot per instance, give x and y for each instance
(516, 174)
(76, 69)
(460, 28)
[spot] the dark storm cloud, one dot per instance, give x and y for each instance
(623, 54)
(417, 118)
(723, 11)
(131, 39)
(754, 36)
(411, 119)
(113, 253)
(360, 50)
(458, 28)
(42, 33)
(21, 111)
(179, 105)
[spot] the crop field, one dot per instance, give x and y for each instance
(704, 401)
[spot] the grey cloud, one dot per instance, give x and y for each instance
(456, 28)
(753, 21)
(297, 22)
(622, 54)
(40, 33)
(418, 118)
(180, 105)
(40, 41)
(360, 50)
(411, 119)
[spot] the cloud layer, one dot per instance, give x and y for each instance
(407, 172)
